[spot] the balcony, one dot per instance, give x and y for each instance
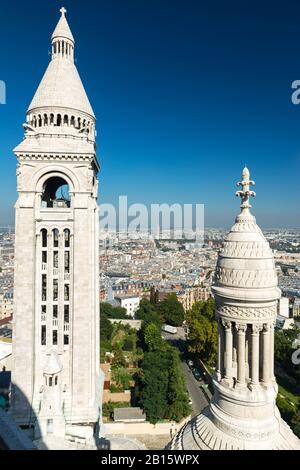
(55, 271)
(43, 318)
(67, 328)
(55, 323)
(67, 276)
(44, 267)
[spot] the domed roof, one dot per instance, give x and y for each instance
(246, 263)
(61, 86)
(202, 433)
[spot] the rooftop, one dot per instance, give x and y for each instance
(129, 414)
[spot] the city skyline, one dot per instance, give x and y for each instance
(180, 110)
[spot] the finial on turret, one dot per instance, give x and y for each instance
(63, 11)
(246, 193)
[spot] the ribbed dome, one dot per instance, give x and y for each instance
(246, 260)
(61, 87)
(201, 433)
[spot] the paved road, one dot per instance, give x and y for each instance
(199, 399)
(193, 386)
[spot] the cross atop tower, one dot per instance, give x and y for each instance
(63, 11)
(246, 193)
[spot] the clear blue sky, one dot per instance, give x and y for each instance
(185, 93)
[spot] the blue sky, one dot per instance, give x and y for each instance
(185, 91)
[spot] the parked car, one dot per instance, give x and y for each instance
(197, 374)
(190, 363)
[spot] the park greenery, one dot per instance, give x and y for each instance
(283, 350)
(144, 362)
(169, 311)
(117, 313)
(288, 377)
(160, 385)
(203, 331)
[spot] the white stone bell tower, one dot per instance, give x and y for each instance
(56, 377)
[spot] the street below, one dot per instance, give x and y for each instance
(196, 394)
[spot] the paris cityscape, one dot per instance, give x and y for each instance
(134, 266)
(121, 338)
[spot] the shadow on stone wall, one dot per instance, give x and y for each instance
(13, 436)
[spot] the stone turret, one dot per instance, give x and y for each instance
(243, 413)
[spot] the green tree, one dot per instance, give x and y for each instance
(116, 313)
(154, 385)
(178, 400)
(122, 377)
(106, 328)
(286, 409)
(295, 423)
(130, 343)
(152, 337)
(171, 310)
(119, 358)
(208, 308)
(203, 331)
(283, 350)
(148, 313)
(160, 386)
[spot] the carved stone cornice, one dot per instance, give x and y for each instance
(243, 278)
(56, 158)
(247, 313)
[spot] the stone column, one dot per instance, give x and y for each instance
(272, 352)
(256, 329)
(228, 349)
(220, 369)
(266, 354)
(241, 329)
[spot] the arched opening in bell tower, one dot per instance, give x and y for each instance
(56, 193)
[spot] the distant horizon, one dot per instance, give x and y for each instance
(264, 229)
